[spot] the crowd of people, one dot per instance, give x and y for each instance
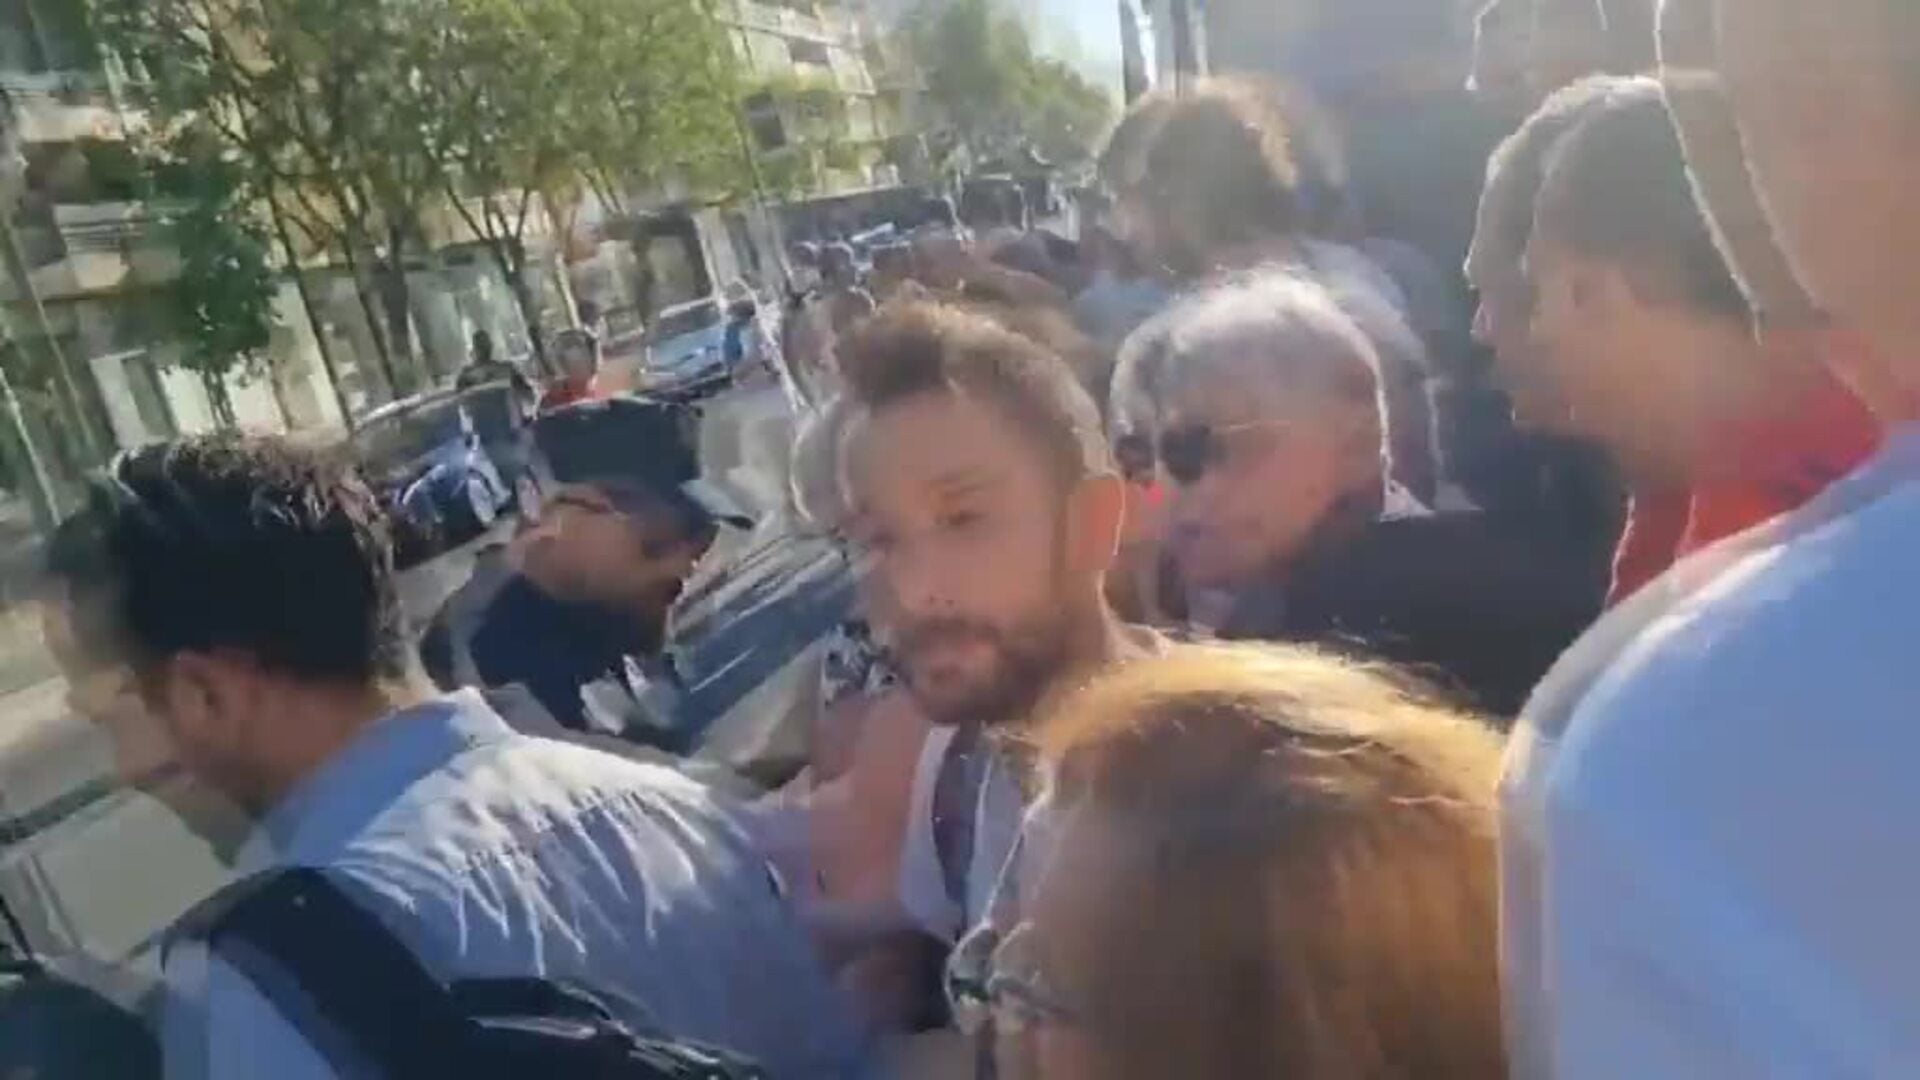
(1286, 641)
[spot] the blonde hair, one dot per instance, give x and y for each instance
(1308, 885)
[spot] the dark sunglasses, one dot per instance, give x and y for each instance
(1187, 452)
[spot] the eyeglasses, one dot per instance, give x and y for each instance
(991, 978)
(1188, 452)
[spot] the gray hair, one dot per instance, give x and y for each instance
(1293, 330)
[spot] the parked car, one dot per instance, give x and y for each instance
(686, 346)
(430, 458)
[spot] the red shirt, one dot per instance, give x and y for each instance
(1772, 466)
(569, 390)
(1651, 541)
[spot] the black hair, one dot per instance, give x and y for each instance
(1518, 168)
(1618, 189)
(238, 542)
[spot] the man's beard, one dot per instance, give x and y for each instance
(1026, 660)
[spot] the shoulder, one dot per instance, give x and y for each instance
(1827, 615)
(527, 798)
(1737, 789)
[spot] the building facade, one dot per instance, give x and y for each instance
(82, 263)
(824, 108)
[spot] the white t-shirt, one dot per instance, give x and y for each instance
(1710, 810)
(923, 886)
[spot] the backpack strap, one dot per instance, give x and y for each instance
(341, 978)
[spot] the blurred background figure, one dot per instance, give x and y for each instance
(1119, 294)
(1215, 185)
(843, 288)
(577, 356)
(592, 577)
(1502, 35)
(892, 268)
(1261, 405)
(1651, 345)
(803, 257)
(1528, 467)
(745, 346)
(1257, 863)
(1772, 670)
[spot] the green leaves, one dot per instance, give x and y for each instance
(997, 96)
(361, 116)
(538, 94)
(219, 307)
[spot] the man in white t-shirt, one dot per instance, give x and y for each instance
(1709, 805)
(986, 508)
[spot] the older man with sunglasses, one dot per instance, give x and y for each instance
(1258, 401)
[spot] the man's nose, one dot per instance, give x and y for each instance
(908, 584)
(1482, 325)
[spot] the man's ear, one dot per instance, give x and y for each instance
(202, 695)
(1097, 511)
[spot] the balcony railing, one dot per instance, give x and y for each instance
(64, 87)
(109, 227)
(831, 25)
(62, 107)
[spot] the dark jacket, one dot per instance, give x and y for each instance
(1445, 595)
(511, 632)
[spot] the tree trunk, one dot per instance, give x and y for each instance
(376, 323)
(511, 258)
(314, 321)
(219, 399)
(396, 303)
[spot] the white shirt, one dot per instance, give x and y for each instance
(997, 813)
(1710, 810)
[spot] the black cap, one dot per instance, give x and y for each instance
(632, 448)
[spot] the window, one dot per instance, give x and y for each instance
(150, 397)
(808, 52)
(763, 119)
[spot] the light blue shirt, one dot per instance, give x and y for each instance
(492, 853)
(1709, 812)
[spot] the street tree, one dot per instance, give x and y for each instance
(218, 306)
(528, 105)
(1065, 115)
(302, 92)
(995, 94)
(974, 56)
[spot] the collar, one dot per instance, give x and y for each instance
(354, 786)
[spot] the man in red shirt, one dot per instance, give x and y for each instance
(1643, 331)
(577, 353)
